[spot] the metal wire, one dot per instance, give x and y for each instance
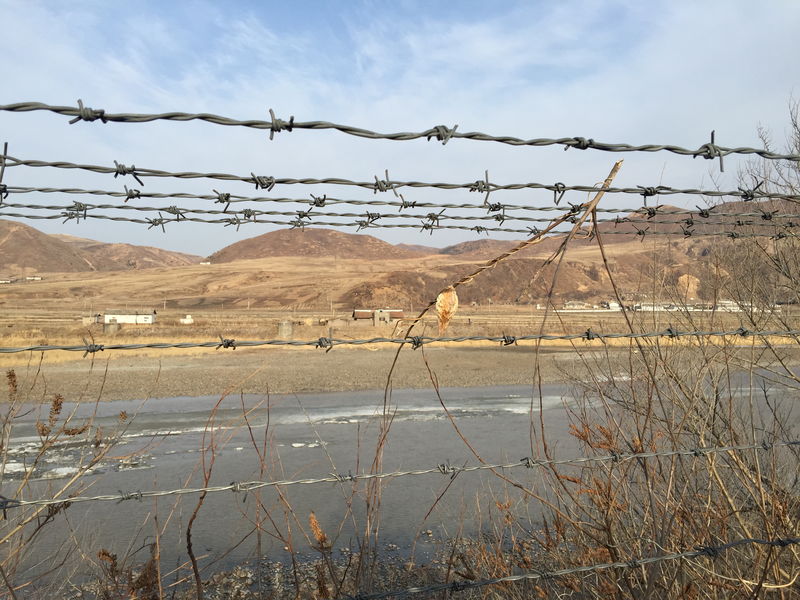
(458, 586)
(386, 185)
(442, 468)
(415, 341)
(765, 219)
(268, 183)
(441, 133)
(424, 226)
(405, 204)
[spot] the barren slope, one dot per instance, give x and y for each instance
(114, 257)
(23, 247)
(311, 242)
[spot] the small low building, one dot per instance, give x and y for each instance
(378, 315)
(610, 305)
(129, 318)
(187, 320)
(386, 315)
(92, 319)
(731, 306)
(575, 305)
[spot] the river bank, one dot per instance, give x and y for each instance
(117, 376)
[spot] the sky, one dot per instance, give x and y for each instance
(664, 72)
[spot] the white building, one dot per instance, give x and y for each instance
(131, 318)
(730, 306)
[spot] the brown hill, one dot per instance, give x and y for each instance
(115, 257)
(311, 242)
(485, 249)
(73, 239)
(25, 248)
(419, 248)
(519, 281)
(303, 283)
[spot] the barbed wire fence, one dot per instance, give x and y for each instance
(414, 341)
(780, 223)
(764, 221)
(446, 468)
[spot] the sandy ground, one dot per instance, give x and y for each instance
(280, 370)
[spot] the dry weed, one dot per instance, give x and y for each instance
(446, 307)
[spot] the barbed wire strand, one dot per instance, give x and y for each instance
(442, 468)
(425, 226)
(269, 182)
(747, 195)
(766, 219)
(441, 133)
(415, 341)
(710, 552)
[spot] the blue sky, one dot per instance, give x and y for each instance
(636, 72)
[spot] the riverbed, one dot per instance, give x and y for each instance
(167, 444)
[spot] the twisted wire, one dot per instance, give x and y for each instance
(416, 341)
(426, 226)
(765, 219)
(442, 468)
(441, 133)
(385, 185)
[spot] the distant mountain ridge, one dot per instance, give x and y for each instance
(25, 248)
(312, 242)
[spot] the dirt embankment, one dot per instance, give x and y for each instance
(282, 370)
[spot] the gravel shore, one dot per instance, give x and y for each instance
(282, 370)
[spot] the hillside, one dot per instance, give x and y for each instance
(23, 247)
(419, 248)
(485, 249)
(114, 257)
(274, 270)
(312, 242)
(26, 248)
